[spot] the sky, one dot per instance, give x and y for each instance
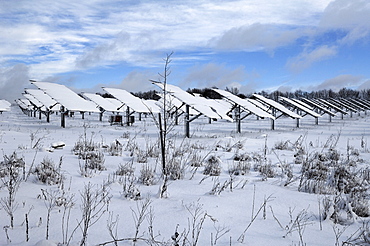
(252, 45)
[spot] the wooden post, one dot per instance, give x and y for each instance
(187, 121)
(62, 117)
(273, 120)
(101, 116)
(238, 121)
(128, 116)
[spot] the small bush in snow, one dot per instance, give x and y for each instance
(129, 188)
(212, 166)
(141, 156)
(126, 169)
(115, 148)
(95, 161)
(283, 145)
(240, 168)
(146, 175)
(196, 160)
(84, 147)
(11, 162)
(266, 170)
(175, 169)
(48, 173)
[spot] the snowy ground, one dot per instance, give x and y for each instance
(235, 213)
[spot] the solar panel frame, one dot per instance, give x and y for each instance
(199, 104)
(277, 106)
(320, 107)
(299, 106)
(245, 104)
(330, 105)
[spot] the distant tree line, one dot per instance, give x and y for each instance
(211, 94)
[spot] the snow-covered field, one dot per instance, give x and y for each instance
(258, 205)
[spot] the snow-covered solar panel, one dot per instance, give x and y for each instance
(351, 106)
(102, 102)
(66, 97)
(202, 105)
(24, 103)
(318, 106)
(299, 106)
(44, 98)
(302, 103)
(4, 105)
(277, 106)
(330, 105)
(174, 102)
(132, 101)
(342, 105)
(246, 104)
(34, 101)
(360, 103)
(120, 106)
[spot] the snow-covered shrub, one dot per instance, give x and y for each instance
(242, 157)
(48, 173)
(299, 155)
(360, 206)
(126, 169)
(360, 237)
(129, 188)
(314, 177)
(146, 175)
(196, 160)
(286, 172)
(141, 156)
(212, 166)
(240, 168)
(283, 145)
(11, 180)
(342, 210)
(115, 148)
(13, 164)
(83, 147)
(95, 161)
(175, 169)
(267, 170)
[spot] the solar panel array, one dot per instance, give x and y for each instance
(51, 97)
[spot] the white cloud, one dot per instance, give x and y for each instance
(349, 15)
(44, 31)
(260, 36)
(337, 83)
(219, 75)
(135, 81)
(307, 58)
(13, 80)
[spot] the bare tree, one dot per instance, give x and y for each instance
(94, 205)
(11, 179)
(163, 121)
